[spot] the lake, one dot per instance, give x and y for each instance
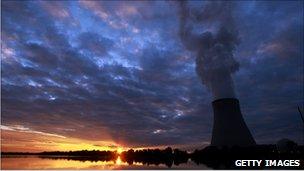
(52, 162)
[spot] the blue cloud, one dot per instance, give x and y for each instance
(122, 69)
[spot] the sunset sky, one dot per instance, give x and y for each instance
(107, 75)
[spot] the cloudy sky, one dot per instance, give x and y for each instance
(102, 75)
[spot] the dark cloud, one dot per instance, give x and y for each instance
(94, 43)
(276, 71)
(40, 55)
(121, 73)
(286, 43)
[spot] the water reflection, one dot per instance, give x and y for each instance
(61, 162)
(118, 161)
(35, 162)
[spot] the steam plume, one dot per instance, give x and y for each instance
(214, 51)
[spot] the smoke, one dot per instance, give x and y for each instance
(214, 50)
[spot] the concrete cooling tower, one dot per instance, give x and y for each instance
(229, 127)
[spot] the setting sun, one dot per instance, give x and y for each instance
(119, 150)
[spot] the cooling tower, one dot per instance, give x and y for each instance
(229, 127)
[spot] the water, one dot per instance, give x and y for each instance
(51, 162)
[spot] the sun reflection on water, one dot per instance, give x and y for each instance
(34, 162)
(118, 161)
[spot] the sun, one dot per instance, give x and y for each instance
(119, 150)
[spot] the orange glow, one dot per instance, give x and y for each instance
(27, 140)
(14, 141)
(119, 150)
(35, 141)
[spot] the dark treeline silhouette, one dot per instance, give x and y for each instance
(156, 156)
(211, 156)
(84, 155)
(81, 153)
(79, 158)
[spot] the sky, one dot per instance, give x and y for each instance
(115, 74)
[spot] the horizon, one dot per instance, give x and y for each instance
(103, 75)
(121, 149)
